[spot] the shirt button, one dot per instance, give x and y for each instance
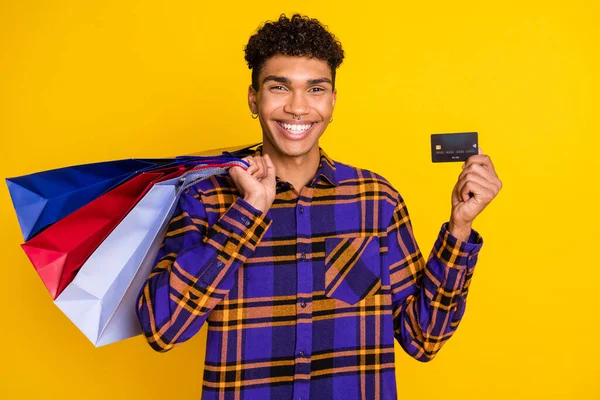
(303, 256)
(301, 210)
(303, 304)
(301, 353)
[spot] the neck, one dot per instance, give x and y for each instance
(296, 170)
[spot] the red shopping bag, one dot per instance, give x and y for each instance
(58, 252)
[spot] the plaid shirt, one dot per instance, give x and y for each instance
(304, 301)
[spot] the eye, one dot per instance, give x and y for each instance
(316, 89)
(278, 87)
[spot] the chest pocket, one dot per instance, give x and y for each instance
(352, 267)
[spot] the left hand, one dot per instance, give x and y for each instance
(478, 184)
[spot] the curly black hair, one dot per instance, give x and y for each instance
(299, 36)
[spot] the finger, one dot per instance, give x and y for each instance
(256, 171)
(479, 152)
(475, 189)
(476, 178)
(262, 168)
(476, 159)
(251, 163)
(481, 171)
(480, 175)
(253, 168)
(490, 164)
(469, 180)
(482, 160)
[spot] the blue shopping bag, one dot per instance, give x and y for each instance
(42, 198)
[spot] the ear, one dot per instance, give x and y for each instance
(252, 100)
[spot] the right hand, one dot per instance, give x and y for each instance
(256, 184)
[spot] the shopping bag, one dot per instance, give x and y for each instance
(58, 252)
(100, 300)
(42, 198)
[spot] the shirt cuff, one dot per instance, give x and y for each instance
(457, 253)
(245, 222)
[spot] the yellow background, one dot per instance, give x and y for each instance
(89, 81)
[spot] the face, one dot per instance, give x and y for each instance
(289, 86)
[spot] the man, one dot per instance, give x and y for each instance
(306, 269)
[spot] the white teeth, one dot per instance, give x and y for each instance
(295, 128)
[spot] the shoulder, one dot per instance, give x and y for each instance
(352, 176)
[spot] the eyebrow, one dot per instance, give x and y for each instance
(283, 79)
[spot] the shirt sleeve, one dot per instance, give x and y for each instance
(428, 297)
(195, 268)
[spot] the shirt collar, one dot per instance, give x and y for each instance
(326, 166)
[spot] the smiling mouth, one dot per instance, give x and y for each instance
(295, 128)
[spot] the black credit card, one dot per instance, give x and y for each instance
(448, 147)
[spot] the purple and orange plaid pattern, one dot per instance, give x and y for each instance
(304, 301)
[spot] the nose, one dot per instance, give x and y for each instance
(297, 104)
